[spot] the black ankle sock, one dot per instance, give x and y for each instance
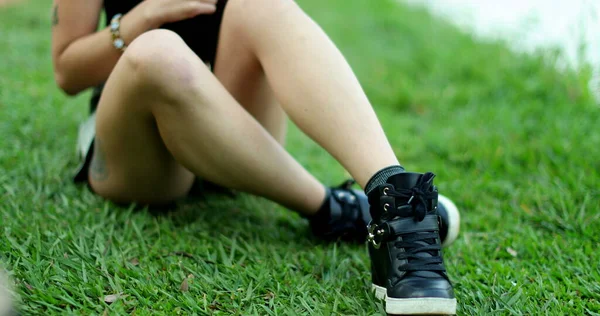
(381, 176)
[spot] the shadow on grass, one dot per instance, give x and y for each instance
(215, 211)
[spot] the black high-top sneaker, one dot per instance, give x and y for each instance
(407, 267)
(346, 215)
(449, 220)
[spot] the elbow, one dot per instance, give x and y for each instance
(65, 84)
(62, 77)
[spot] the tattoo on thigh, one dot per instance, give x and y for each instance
(55, 15)
(98, 169)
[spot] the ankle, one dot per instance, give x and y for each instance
(324, 209)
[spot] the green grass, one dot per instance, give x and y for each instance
(515, 142)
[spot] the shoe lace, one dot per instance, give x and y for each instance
(417, 198)
(414, 247)
(421, 249)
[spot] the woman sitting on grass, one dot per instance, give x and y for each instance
(201, 88)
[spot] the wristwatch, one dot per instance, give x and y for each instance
(115, 30)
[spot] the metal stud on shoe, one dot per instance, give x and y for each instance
(374, 232)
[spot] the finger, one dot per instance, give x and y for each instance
(206, 1)
(204, 8)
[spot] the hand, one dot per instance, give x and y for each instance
(159, 12)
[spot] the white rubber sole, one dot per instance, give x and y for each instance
(416, 306)
(420, 306)
(453, 220)
(380, 291)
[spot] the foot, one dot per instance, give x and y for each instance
(343, 216)
(407, 266)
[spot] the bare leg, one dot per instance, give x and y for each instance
(313, 82)
(161, 111)
(242, 75)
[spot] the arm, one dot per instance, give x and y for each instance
(81, 56)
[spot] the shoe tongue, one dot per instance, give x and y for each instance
(405, 180)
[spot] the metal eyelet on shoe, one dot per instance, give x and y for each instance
(385, 191)
(386, 206)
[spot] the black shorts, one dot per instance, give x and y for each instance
(201, 34)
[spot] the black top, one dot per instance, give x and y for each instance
(200, 33)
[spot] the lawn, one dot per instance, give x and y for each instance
(515, 142)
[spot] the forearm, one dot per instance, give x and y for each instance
(89, 60)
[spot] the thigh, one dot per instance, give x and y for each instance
(240, 72)
(130, 162)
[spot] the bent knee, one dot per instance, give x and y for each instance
(161, 57)
(153, 47)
